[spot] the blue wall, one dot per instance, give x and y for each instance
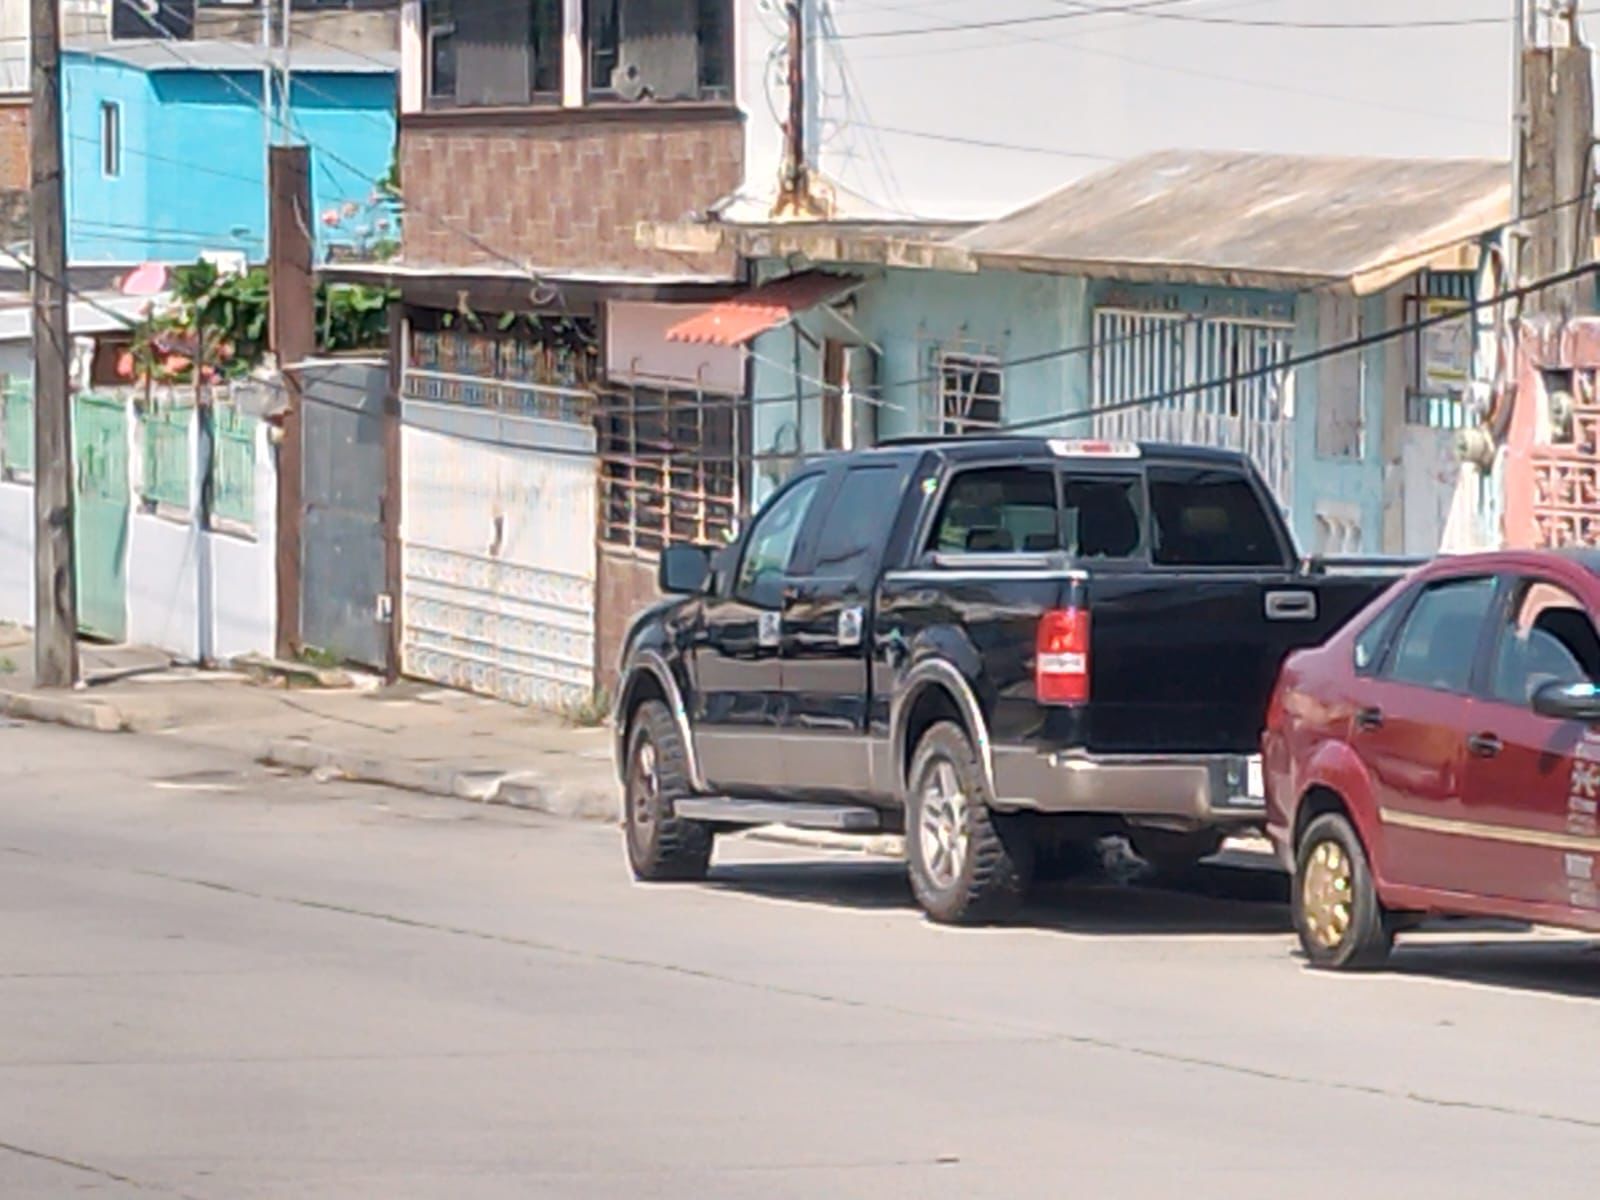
(194, 158)
(908, 313)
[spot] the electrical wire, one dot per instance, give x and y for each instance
(1083, 10)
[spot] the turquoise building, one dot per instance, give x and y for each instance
(166, 149)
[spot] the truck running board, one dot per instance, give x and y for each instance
(842, 818)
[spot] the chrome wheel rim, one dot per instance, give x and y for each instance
(644, 793)
(1326, 894)
(944, 832)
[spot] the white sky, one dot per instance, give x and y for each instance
(1120, 85)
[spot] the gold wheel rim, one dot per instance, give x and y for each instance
(1326, 894)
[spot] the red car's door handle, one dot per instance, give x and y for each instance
(1484, 745)
(1369, 718)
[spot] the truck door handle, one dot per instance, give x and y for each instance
(1291, 605)
(1369, 718)
(1485, 745)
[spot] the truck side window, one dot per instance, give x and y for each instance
(998, 510)
(1438, 643)
(1103, 516)
(1547, 638)
(1210, 518)
(856, 525)
(771, 545)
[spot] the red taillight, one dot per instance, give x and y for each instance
(1061, 670)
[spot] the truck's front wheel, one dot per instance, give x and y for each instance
(968, 863)
(661, 845)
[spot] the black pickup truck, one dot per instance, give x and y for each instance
(1004, 647)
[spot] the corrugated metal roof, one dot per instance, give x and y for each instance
(734, 321)
(160, 54)
(1253, 219)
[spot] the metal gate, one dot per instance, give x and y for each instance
(1142, 356)
(343, 475)
(100, 454)
(498, 539)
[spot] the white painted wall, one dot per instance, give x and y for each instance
(16, 553)
(637, 347)
(164, 597)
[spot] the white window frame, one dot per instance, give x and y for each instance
(950, 364)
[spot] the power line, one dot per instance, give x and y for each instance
(985, 144)
(1083, 10)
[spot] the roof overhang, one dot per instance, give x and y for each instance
(880, 244)
(742, 318)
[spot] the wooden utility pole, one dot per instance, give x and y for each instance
(55, 606)
(1555, 163)
(796, 197)
(293, 334)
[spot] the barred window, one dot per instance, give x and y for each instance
(668, 467)
(970, 392)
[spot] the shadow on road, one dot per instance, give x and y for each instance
(1211, 899)
(1556, 966)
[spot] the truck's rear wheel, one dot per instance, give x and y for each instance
(661, 846)
(1341, 922)
(968, 863)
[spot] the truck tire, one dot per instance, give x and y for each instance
(1341, 923)
(661, 847)
(1175, 853)
(969, 865)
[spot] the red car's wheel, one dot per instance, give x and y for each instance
(1341, 923)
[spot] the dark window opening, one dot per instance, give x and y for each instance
(668, 469)
(971, 393)
(1001, 510)
(1547, 638)
(1210, 519)
(1437, 646)
(659, 49)
(493, 52)
(110, 139)
(857, 524)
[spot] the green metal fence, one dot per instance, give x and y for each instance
(16, 428)
(233, 474)
(166, 457)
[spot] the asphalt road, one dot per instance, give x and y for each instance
(219, 982)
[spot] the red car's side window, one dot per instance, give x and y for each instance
(1437, 647)
(1546, 637)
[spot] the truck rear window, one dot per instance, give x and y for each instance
(1001, 510)
(1210, 518)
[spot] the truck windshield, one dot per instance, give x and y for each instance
(1210, 518)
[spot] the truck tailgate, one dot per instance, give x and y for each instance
(1185, 662)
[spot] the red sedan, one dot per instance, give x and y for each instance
(1441, 754)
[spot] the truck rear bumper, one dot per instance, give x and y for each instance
(1208, 789)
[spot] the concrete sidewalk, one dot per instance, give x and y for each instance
(410, 735)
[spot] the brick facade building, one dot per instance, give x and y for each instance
(551, 441)
(13, 144)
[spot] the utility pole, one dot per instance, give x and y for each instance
(55, 620)
(1555, 162)
(796, 198)
(293, 334)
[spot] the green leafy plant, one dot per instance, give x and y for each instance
(353, 317)
(590, 712)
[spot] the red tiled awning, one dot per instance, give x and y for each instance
(734, 321)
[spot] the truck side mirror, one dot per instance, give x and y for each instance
(684, 570)
(1568, 701)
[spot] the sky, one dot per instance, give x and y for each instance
(1073, 93)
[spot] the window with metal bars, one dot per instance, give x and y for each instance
(971, 392)
(668, 467)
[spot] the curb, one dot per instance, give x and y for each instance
(92, 715)
(527, 790)
(879, 845)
